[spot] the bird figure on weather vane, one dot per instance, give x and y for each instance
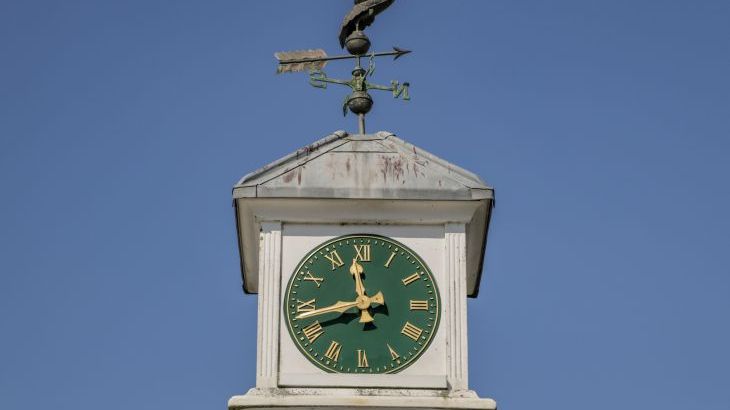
(353, 39)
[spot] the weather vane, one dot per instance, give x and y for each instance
(354, 40)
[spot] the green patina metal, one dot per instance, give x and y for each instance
(403, 325)
(359, 83)
(354, 40)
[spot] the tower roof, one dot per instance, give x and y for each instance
(373, 166)
(347, 169)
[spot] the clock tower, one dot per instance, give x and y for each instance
(362, 249)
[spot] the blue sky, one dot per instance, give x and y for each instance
(603, 126)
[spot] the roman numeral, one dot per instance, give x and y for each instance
(362, 359)
(334, 257)
(307, 306)
(390, 259)
(393, 353)
(333, 352)
(419, 305)
(414, 332)
(313, 331)
(312, 278)
(362, 253)
(407, 281)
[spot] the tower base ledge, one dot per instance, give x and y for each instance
(341, 399)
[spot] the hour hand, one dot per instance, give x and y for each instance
(337, 307)
(362, 303)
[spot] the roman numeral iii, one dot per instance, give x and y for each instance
(419, 305)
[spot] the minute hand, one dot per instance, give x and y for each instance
(337, 307)
(356, 270)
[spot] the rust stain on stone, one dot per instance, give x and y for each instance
(391, 167)
(304, 151)
(398, 168)
(289, 176)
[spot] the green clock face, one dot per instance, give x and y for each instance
(362, 304)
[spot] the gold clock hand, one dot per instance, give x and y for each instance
(356, 270)
(342, 307)
(365, 302)
(365, 316)
(378, 299)
(337, 307)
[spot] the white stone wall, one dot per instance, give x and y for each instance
(442, 366)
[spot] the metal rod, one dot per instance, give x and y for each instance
(343, 57)
(361, 123)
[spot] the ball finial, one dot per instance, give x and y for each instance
(357, 43)
(360, 102)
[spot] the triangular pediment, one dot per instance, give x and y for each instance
(373, 166)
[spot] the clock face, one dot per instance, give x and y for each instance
(362, 304)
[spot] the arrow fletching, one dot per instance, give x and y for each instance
(299, 60)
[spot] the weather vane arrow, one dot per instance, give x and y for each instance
(354, 40)
(301, 60)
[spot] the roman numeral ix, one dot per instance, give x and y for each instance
(307, 306)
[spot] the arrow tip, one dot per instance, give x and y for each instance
(400, 52)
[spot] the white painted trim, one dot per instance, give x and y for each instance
(335, 401)
(362, 211)
(267, 365)
(362, 380)
(455, 268)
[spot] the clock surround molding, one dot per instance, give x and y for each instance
(442, 366)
